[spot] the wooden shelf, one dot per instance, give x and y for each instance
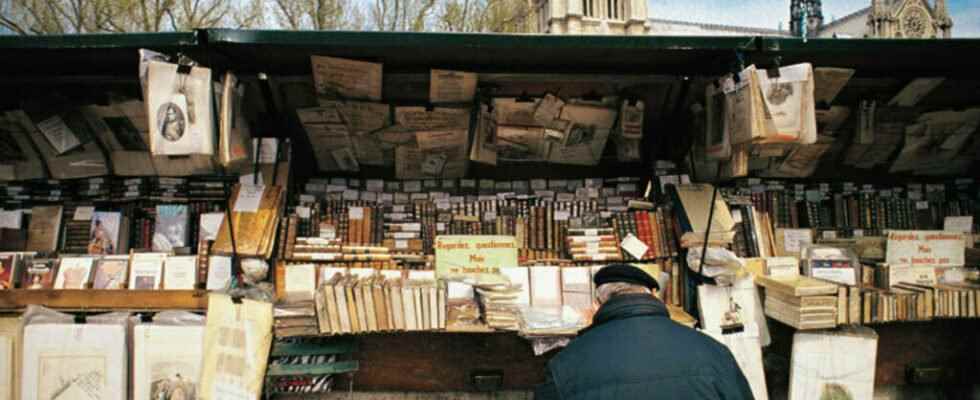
(92, 299)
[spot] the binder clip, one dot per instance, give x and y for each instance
(732, 319)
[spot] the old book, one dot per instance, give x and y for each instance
(146, 271)
(484, 147)
(254, 218)
(219, 272)
(367, 302)
(410, 307)
(322, 311)
(394, 289)
(332, 308)
(22, 161)
(432, 297)
(10, 349)
(167, 361)
(797, 285)
(380, 303)
(520, 278)
(39, 273)
(74, 273)
(300, 282)
(44, 228)
(421, 307)
(180, 273)
(693, 208)
(74, 361)
(171, 228)
(343, 309)
(237, 342)
(356, 313)
(64, 141)
(179, 109)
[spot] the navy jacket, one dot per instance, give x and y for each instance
(634, 351)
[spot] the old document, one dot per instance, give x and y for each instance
(74, 361)
(237, 341)
(451, 86)
(420, 118)
(484, 148)
(828, 82)
(339, 78)
(167, 361)
(330, 137)
(179, 109)
(438, 154)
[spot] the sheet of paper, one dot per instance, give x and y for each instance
(747, 350)
(723, 305)
(83, 213)
(634, 246)
(545, 286)
(514, 112)
(782, 267)
(74, 361)
(451, 86)
(237, 342)
(833, 364)
(421, 119)
(210, 224)
(339, 78)
(167, 361)
(521, 277)
(958, 224)
(249, 198)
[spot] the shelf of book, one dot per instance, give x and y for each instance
(98, 300)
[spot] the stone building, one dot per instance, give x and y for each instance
(880, 19)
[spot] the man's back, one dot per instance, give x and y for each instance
(634, 351)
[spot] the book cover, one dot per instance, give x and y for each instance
(111, 272)
(39, 274)
(104, 233)
(170, 229)
(44, 228)
(8, 270)
(146, 272)
(180, 273)
(73, 273)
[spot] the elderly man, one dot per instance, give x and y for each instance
(634, 351)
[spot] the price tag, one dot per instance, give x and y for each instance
(562, 215)
(369, 196)
(84, 213)
(356, 213)
(303, 212)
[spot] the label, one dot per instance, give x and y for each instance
(303, 212)
(11, 219)
(562, 215)
(794, 240)
(356, 213)
(386, 197)
(401, 244)
(565, 197)
(404, 235)
(323, 257)
(922, 205)
(844, 276)
(467, 183)
(369, 196)
(84, 213)
(350, 194)
(829, 235)
(591, 232)
(249, 198)
(375, 185)
(336, 188)
(489, 216)
(442, 205)
(859, 233)
(413, 186)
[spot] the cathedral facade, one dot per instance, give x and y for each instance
(914, 19)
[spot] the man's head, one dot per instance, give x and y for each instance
(620, 279)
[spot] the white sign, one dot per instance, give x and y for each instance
(925, 248)
(11, 219)
(958, 224)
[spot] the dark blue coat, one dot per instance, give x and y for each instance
(634, 351)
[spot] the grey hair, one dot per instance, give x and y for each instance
(605, 291)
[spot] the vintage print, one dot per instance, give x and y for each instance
(104, 235)
(110, 273)
(171, 227)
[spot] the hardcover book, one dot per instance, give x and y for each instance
(44, 229)
(170, 229)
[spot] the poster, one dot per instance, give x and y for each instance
(474, 256)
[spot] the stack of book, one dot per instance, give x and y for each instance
(295, 319)
(498, 304)
(801, 302)
(920, 302)
(379, 303)
(593, 244)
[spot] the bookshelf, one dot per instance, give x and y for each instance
(91, 300)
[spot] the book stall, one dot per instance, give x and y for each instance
(243, 214)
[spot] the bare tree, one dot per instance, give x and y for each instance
(318, 14)
(403, 15)
(485, 16)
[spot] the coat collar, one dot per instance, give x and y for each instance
(629, 306)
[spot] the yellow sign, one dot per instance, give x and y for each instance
(474, 255)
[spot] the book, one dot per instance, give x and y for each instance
(545, 286)
(104, 234)
(171, 228)
(254, 218)
(44, 228)
(146, 271)
(73, 273)
(693, 205)
(111, 272)
(180, 273)
(797, 285)
(9, 270)
(39, 274)
(219, 272)
(179, 110)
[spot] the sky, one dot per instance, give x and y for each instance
(769, 13)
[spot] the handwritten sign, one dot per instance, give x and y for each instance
(925, 248)
(474, 255)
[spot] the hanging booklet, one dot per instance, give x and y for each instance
(181, 116)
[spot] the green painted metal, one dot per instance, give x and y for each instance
(317, 369)
(313, 349)
(101, 40)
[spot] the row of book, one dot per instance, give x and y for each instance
(408, 190)
(112, 189)
(870, 208)
(348, 304)
(139, 271)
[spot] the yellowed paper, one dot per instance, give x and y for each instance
(451, 86)
(237, 341)
(339, 78)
